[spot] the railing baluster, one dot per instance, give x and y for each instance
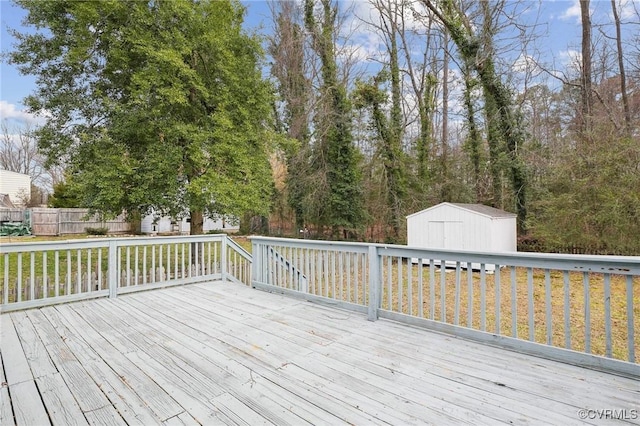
(160, 263)
(68, 272)
(333, 275)
(483, 297)
(341, 274)
(19, 295)
(567, 310)
(99, 266)
(5, 288)
(89, 271)
(400, 284)
(389, 282)
(349, 255)
(32, 278)
(532, 334)
(79, 272)
(443, 291)
(547, 304)
(176, 248)
(470, 294)
(144, 265)
(409, 286)
(587, 312)
(128, 255)
(630, 326)
(420, 289)
(496, 283)
(356, 276)
(456, 312)
(607, 315)
(432, 288)
(56, 266)
(168, 272)
(514, 304)
(45, 283)
(136, 265)
(183, 249)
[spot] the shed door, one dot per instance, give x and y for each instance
(446, 235)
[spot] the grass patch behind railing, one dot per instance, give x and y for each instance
(323, 285)
(618, 306)
(94, 274)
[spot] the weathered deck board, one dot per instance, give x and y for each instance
(221, 353)
(6, 412)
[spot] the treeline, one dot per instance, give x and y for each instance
(450, 105)
(368, 114)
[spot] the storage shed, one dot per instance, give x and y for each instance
(455, 226)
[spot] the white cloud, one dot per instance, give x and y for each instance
(10, 112)
(570, 57)
(572, 13)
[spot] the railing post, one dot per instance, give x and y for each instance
(256, 262)
(113, 268)
(374, 283)
(223, 258)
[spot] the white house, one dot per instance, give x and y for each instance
(16, 185)
(152, 224)
(456, 226)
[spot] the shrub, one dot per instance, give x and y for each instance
(96, 231)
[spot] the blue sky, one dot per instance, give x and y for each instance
(559, 39)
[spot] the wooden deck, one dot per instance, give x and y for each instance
(222, 353)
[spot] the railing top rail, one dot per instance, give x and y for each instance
(102, 242)
(626, 265)
(238, 248)
(293, 242)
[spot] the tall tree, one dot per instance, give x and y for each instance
(289, 67)
(157, 105)
(389, 126)
(340, 206)
(587, 91)
(504, 127)
(623, 74)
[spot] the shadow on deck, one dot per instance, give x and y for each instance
(223, 353)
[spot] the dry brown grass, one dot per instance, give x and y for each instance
(576, 320)
(417, 301)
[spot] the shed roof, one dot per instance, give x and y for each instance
(476, 208)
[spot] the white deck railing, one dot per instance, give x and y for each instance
(45, 273)
(578, 309)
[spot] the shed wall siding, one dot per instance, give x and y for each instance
(463, 230)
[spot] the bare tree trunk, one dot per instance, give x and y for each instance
(445, 193)
(587, 94)
(623, 76)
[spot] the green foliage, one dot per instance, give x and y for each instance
(64, 196)
(96, 231)
(156, 105)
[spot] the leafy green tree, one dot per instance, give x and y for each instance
(154, 105)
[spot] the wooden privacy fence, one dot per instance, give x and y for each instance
(46, 221)
(579, 309)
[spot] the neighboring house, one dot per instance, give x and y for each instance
(469, 227)
(152, 224)
(16, 185)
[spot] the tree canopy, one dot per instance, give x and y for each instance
(155, 105)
